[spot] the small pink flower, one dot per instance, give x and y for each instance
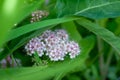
(73, 49)
(62, 34)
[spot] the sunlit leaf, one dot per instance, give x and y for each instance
(12, 12)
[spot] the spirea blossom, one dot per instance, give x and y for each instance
(35, 44)
(8, 62)
(37, 15)
(54, 44)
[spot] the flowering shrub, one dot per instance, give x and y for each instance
(54, 44)
(55, 55)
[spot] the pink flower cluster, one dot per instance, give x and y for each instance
(8, 62)
(37, 15)
(54, 44)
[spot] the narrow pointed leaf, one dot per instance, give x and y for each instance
(105, 34)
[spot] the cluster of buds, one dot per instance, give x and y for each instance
(37, 15)
(8, 62)
(54, 44)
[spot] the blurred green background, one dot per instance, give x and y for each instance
(94, 24)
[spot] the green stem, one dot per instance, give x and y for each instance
(11, 55)
(37, 59)
(14, 60)
(110, 55)
(102, 23)
(101, 58)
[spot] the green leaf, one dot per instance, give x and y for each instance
(70, 27)
(35, 26)
(13, 12)
(103, 33)
(89, 8)
(41, 73)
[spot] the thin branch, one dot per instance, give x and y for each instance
(101, 58)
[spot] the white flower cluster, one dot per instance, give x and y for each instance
(37, 15)
(54, 44)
